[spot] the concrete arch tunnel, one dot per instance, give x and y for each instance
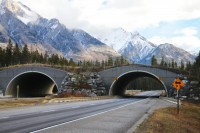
(118, 87)
(31, 84)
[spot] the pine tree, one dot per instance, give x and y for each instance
(154, 61)
(182, 67)
(46, 56)
(162, 62)
(122, 60)
(169, 65)
(196, 67)
(25, 56)
(16, 54)
(188, 66)
(72, 63)
(110, 61)
(103, 64)
(165, 64)
(9, 53)
(173, 64)
(197, 61)
(2, 57)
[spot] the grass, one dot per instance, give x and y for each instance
(21, 102)
(11, 103)
(166, 120)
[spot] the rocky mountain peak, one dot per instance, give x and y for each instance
(24, 26)
(21, 11)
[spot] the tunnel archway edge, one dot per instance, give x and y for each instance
(138, 71)
(26, 73)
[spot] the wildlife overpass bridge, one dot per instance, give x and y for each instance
(33, 81)
(116, 79)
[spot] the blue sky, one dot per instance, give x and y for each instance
(166, 29)
(160, 21)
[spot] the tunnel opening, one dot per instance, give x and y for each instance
(31, 84)
(136, 80)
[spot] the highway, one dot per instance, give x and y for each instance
(109, 115)
(31, 119)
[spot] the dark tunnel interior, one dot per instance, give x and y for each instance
(120, 85)
(32, 84)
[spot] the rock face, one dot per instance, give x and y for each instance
(24, 26)
(87, 84)
(138, 49)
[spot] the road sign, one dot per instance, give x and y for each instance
(178, 84)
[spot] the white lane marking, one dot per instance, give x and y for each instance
(171, 101)
(92, 104)
(86, 117)
(4, 117)
(48, 111)
(75, 107)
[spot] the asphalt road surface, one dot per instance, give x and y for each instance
(150, 93)
(111, 115)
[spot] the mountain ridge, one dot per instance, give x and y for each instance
(30, 28)
(25, 26)
(139, 50)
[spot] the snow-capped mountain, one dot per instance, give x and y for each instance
(131, 45)
(24, 26)
(15, 29)
(169, 52)
(138, 49)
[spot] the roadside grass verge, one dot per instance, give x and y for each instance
(11, 103)
(8, 103)
(166, 120)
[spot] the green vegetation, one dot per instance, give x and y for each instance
(13, 55)
(196, 68)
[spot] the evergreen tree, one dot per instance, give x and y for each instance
(165, 64)
(71, 62)
(188, 66)
(25, 56)
(103, 64)
(9, 53)
(173, 63)
(154, 61)
(16, 54)
(110, 61)
(97, 63)
(169, 65)
(46, 56)
(121, 60)
(197, 61)
(35, 56)
(162, 62)
(117, 61)
(196, 67)
(2, 57)
(182, 67)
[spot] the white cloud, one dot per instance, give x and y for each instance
(129, 14)
(189, 31)
(96, 16)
